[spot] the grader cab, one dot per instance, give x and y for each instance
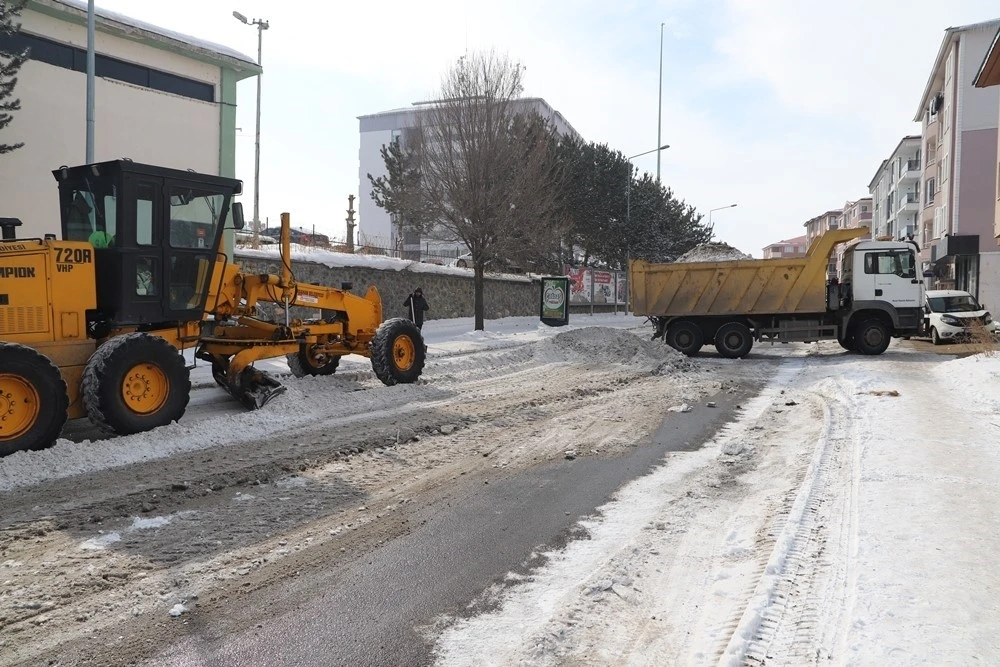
(97, 324)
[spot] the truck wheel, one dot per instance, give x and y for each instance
(685, 337)
(935, 338)
(33, 399)
(303, 363)
(871, 337)
(398, 352)
(134, 383)
(733, 340)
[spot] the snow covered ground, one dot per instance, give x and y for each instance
(849, 517)
(214, 417)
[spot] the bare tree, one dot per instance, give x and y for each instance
(480, 168)
(10, 63)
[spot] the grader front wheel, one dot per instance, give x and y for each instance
(305, 362)
(397, 352)
(33, 400)
(134, 383)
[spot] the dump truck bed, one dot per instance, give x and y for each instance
(745, 287)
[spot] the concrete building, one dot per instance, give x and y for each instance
(989, 75)
(895, 191)
(375, 227)
(854, 215)
(818, 226)
(796, 247)
(160, 97)
(960, 153)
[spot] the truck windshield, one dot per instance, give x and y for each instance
(953, 304)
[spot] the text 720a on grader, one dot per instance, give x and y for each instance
(96, 324)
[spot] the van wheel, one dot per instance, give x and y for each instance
(935, 338)
(33, 399)
(733, 340)
(872, 337)
(685, 337)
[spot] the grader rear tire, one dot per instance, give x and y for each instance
(33, 400)
(302, 363)
(397, 352)
(134, 383)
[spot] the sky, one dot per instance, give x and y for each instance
(785, 108)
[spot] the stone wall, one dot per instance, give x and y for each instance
(447, 295)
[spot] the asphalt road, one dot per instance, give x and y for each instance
(378, 606)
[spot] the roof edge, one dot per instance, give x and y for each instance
(992, 55)
(124, 26)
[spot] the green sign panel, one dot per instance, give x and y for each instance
(554, 305)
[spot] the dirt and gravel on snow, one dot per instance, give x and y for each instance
(105, 555)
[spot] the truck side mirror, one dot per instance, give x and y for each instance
(238, 221)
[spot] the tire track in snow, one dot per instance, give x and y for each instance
(806, 570)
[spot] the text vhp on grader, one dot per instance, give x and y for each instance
(96, 324)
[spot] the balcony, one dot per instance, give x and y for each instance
(909, 171)
(909, 202)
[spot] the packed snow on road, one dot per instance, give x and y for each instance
(846, 515)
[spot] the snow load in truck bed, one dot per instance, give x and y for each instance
(713, 252)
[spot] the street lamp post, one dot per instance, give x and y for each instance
(718, 209)
(659, 109)
(90, 82)
(262, 25)
(628, 183)
(628, 209)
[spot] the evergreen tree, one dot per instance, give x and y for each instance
(10, 63)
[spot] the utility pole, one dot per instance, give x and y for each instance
(262, 25)
(91, 57)
(350, 223)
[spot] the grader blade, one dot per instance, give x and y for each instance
(254, 388)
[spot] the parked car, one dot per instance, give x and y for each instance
(950, 314)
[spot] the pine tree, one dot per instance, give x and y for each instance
(10, 64)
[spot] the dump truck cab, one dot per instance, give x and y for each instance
(155, 235)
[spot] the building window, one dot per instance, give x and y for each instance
(75, 59)
(931, 189)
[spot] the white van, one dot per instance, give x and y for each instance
(948, 315)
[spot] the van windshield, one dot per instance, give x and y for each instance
(953, 304)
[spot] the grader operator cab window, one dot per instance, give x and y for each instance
(157, 232)
(91, 214)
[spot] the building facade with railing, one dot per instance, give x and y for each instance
(895, 191)
(816, 227)
(959, 137)
(796, 247)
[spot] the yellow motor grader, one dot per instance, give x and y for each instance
(96, 324)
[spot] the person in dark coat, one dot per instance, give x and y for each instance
(416, 305)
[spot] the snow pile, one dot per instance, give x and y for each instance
(975, 378)
(713, 252)
(604, 345)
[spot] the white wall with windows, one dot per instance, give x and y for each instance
(152, 104)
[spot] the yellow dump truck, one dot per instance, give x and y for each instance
(734, 303)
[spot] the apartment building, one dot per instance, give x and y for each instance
(989, 75)
(816, 227)
(854, 215)
(959, 147)
(895, 191)
(375, 225)
(796, 247)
